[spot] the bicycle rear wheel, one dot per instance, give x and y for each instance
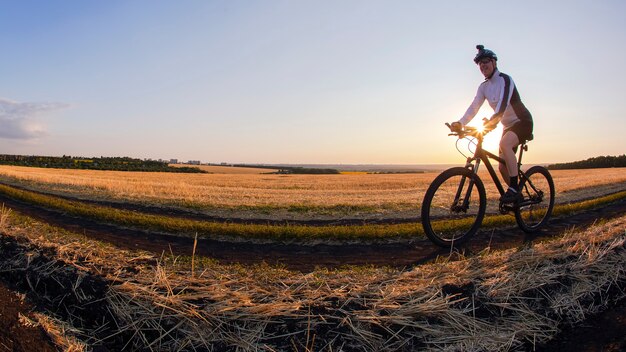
(454, 207)
(537, 189)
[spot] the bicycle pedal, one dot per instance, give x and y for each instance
(506, 208)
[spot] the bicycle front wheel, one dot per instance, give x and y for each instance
(535, 209)
(454, 207)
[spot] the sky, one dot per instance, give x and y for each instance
(303, 82)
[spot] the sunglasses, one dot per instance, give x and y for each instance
(484, 61)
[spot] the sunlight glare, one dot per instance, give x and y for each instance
(492, 139)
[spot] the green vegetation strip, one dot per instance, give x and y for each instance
(208, 229)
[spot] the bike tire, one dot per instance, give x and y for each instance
(444, 223)
(536, 207)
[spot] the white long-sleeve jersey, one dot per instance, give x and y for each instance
(501, 93)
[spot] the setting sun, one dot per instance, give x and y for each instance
(492, 139)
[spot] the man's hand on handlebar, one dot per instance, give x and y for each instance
(455, 127)
(490, 124)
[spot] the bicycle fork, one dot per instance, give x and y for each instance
(462, 207)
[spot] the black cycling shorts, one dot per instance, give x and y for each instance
(523, 129)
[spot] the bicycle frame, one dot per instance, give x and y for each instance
(473, 164)
(480, 154)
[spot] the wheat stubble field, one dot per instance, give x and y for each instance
(509, 299)
(233, 190)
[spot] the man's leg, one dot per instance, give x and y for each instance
(509, 171)
(507, 143)
(503, 170)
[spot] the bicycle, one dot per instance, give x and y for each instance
(455, 204)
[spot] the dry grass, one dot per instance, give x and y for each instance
(374, 192)
(60, 333)
(495, 301)
(4, 216)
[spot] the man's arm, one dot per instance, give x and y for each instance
(479, 99)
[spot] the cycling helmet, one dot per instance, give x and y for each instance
(482, 52)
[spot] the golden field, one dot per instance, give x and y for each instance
(388, 191)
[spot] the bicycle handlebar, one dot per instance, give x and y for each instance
(471, 131)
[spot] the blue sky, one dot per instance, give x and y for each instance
(302, 81)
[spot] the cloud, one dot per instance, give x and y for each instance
(19, 120)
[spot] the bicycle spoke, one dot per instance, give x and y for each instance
(538, 192)
(453, 207)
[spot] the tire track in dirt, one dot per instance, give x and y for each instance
(304, 257)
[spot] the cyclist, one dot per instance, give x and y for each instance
(501, 93)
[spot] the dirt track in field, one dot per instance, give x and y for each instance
(307, 257)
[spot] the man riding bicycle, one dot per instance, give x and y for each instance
(501, 93)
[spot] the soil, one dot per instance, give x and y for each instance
(605, 332)
(15, 336)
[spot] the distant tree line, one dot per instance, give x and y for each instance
(396, 172)
(101, 163)
(307, 171)
(592, 163)
(293, 169)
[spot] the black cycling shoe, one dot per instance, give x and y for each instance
(510, 196)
